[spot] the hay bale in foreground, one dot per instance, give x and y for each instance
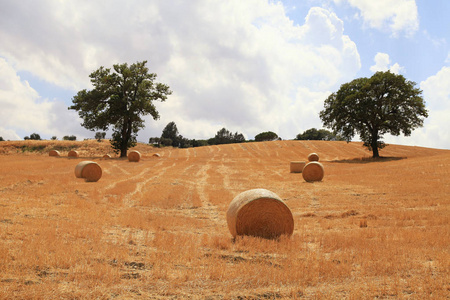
(313, 157)
(134, 156)
(106, 156)
(54, 153)
(73, 153)
(313, 171)
(297, 166)
(89, 170)
(261, 213)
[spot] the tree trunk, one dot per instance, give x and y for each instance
(124, 140)
(374, 144)
(375, 153)
(126, 135)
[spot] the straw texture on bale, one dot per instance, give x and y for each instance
(261, 213)
(54, 153)
(313, 171)
(313, 157)
(134, 156)
(73, 153)
(106, 156)
(297, 166)
(89, 170)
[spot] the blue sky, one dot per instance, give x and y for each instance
(249, 66)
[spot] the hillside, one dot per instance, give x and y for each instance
(157, 228)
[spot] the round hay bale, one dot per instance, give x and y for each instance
(157, 155)
(89, 170)
(261, 213)
(313, 171)
(134, 156)
(54, 153)
(297, 166)
(313, 157)
(73, 153)
(106, 156)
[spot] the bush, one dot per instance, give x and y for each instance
(223, 136)
(266, 136)
(69, 138)
(165, 142)
(100, 135)
(318, 135)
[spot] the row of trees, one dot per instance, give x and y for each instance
(171, 137)
(369, 107)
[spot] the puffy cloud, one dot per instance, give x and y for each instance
(435, 134)
(397, 15)
(243, 65)
(382, 63)
(23, 110)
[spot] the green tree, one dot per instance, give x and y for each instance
(33, 136)
(54, 138)
(371, 107)
(266, 136)
(171, 132)
(165, 142)
(223, 136)
(120, 98)
(1, 139)
(69, 138)
(318, 135)
(100, 135)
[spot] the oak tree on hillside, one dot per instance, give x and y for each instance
(120, 98)
(371, 107)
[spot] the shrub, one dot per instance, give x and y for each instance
(266, 136)
(69, 138)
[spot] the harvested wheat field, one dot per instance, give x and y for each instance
(157, 229)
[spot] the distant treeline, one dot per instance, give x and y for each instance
(171, 137)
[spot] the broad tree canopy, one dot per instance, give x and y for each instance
(120, 98)
(371, 107)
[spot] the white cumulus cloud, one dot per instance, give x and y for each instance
(383, 63)
(435, 133)
(243, 65)
(399, 16)
(23, 110)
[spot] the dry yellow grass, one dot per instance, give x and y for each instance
(158, 229)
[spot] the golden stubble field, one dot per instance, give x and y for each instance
(157, 229)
